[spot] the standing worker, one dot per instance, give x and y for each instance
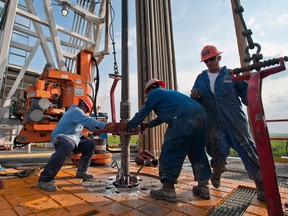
(185, 135)
(227, 124)
(67, 138)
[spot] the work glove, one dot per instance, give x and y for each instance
(195, 94)
(123, 125)
(144, 126)
(110, 127)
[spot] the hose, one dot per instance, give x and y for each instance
(96, 81)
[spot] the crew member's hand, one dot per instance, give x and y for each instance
(110, 127)
(195, 94)
(123, 125)
(144, 126)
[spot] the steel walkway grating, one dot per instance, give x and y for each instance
(242, 176)
(236, 203)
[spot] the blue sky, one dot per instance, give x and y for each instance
(198, 23)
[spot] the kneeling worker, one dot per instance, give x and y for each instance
(67, 138)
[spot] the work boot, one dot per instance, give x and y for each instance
(202, 190)
(47, 186)
(84, 175)
(260, 191)
(216, 178)
(167, 192)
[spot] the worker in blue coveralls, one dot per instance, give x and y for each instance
(227, 124)
(67, 138)
(185, 135)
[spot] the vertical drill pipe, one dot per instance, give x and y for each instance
(155, 58)
(170, 46)
(141, 62)
(125, 103)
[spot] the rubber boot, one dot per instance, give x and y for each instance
(202, 190)
(167, 192)
(82, 169)
(84, 175)
(216, 178)
(260, 190)
(47, 186)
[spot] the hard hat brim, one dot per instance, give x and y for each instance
(207, 57)
(160, 82)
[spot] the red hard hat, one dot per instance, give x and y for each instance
(154, 81)
(208, 52)
(88, 102)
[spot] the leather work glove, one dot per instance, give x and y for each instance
(110, 127)
(144, 126)
(195, 94)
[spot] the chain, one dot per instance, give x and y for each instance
(116, 72)
(115, 60)
(259, 65)
(256, 57)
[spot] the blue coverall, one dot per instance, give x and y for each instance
(67, 138)
(227, 124)
(185, 134)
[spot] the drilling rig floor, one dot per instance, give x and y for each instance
(20, 196)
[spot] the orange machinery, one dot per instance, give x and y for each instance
(53, 92)
(43, 104)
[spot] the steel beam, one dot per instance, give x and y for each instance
(55, 37)
(44, 44)
(21, 75)
(5, 41)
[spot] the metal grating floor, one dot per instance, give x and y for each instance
(236, 203)
(242, 176)
(238, 173)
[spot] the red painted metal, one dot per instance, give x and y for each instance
(143, 156)
(112, 98)
(261, 136)
(117, 130)
(277, 120)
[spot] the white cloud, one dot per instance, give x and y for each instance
(202, 40)
(186, 81)
(275, 103)
(132, 37)
(251, 21)
(282, 20)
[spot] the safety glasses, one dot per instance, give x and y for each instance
(210, 59)
(154, 86)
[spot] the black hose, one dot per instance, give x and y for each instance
(96, 81)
